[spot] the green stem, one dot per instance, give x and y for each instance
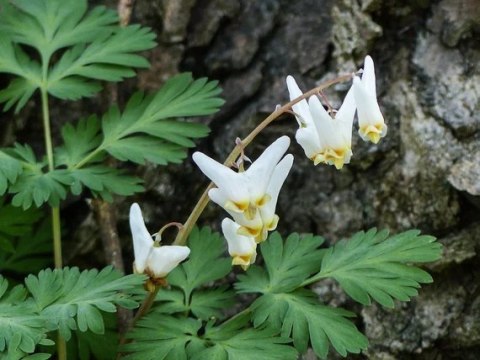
(314, 279)
(56, 226)
(88, 157)
(144, 308)
(182, 236)
(46, 130)
(57, 237)
(61, 348)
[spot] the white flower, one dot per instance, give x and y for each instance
(242, 249)
(323, 138)
(267, 212)
(243, 193)
(151, 258)
(370, 119)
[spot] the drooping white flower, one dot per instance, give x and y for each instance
(325, 139)
(242, 249)
(151, 258)
(370, 119)
(242, 194)
(267, 213)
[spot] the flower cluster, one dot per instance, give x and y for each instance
(326, 137)
(249, 196)
(150, 257)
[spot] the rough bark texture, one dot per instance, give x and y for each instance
(425, 174)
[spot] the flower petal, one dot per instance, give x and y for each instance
(332, 136)
(301, 108)
(233, 184)
(260, 172)
(346, 114)
(368, 110)
(307, 138)
(164, 259)
(278, 178)
(142, 240)
(241, 248)
(368, 76)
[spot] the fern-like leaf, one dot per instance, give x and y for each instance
(72, 300)
(21, 328)
(93, 48)
(285, 306)
(373, 265)
(146, 131)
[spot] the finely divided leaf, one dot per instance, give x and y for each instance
(297, 312)
(158, 336)
(32, 250)
(10, 169)
(300, 316)
(21, 328)
(373, 265)
(79, 141)
(288, 264)
(146, 129)
(205, 264)
(93, 47)
(191, 291)
(236, 340)
(72, 300)
(203, 304)
(105, 181)
(14, 223)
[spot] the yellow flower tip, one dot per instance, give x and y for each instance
(272, 225)
(248, 231)
(318, 159)
(373, 137)
(336, 157)
(373, 133)
(242, 260)
(238, 207)
(262, 236)
(263, 200)
(338, 164)
(250, 212)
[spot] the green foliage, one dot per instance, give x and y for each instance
(10, 168)
(205, 264)
(34, 185)
(160, 336)
(85, 345)
(189, 282)
(72, 300)
(145, 130)
(297, 312)
(63, 300)
(20, 326)
(287, 263)
(235, 340)
(24, 239)
(13, 223)
(374, 265)
(88, 46)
